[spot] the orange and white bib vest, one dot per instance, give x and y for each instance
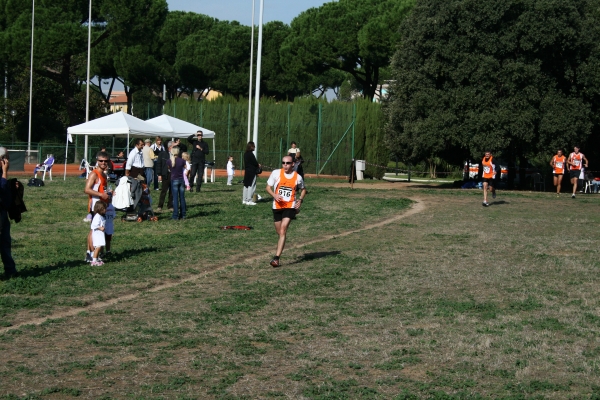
(576, 161)
(99, 186)
(286, 188)
(559, 165)
(488, 168)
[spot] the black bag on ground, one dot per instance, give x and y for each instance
(35, 182)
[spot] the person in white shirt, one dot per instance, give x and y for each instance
(149, 157)
(292, 152)
(230, 170)
(284, 185)
(97, 227)
(135, 160)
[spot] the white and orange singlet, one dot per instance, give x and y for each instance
(488, 168)
(576, 161)
(286, 188)
(559, 165)
(99, 186)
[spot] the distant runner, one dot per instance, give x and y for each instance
(576, 159)
(286, 203)
(489, 174)
(558, 164)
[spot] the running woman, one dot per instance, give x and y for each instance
(489, 174)
(575, 161)
(288, 191)
(558, 164)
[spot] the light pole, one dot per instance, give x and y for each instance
(31, 82)
(251, 65)
(258, 65)
(13, 114)
(87, 93)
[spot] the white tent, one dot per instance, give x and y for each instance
(179, 127)
(183, 129)
(118, 124)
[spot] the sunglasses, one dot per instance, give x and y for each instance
(286, 162)
(102, 160)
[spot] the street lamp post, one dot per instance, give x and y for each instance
(13, 114)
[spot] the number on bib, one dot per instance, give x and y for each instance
(285, 192)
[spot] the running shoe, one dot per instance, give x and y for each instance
(98, 263)
(88, 257)
(573, 196)
(485, 204)
(494, 194)
(250, 203)
(275, 263)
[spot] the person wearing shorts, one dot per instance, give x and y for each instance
(558, 164)
(489, 175)
(96, 189)
(575, 163)
(284, 185)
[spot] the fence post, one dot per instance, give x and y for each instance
(280, 148)
(409, 165)
(148, 111)
(396, 165)
(318, 163)
(288, 126)
(174, 110)
(228, 126)
(353, 126)
(201, 114)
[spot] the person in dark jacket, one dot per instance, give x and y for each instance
(197, 158)
(250, 168)
(157, 147)
(10, 269)
(165, 174)
(182, 147)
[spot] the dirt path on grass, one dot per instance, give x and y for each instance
(417, 207)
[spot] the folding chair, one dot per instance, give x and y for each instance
(45, 168)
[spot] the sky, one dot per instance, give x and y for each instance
(241, 10)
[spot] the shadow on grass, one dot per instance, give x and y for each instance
(499, 203)
(315, 256)
(114, 257)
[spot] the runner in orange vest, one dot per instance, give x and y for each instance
(489, 174)
(284, 185)
(575, 161)
(95, 188)
(558, 164)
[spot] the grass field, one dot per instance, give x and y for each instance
(387, 291)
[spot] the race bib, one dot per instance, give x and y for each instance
(559, 164)
(486, 169)
(576, 163)
(285, 192)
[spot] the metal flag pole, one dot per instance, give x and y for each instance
(251, 66)
(257, 90)
(87, 92)
(31, 82)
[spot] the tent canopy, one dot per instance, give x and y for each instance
(180, 128)
(118, 124)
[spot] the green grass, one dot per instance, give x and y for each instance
(455, 302)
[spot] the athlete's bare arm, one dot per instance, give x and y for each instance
(302, 195)
(89, 184)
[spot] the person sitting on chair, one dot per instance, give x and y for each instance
(48, 162)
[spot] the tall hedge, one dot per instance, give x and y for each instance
(298, 121)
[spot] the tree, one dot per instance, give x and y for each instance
(353, 36)
(518, 77)
(61, 36)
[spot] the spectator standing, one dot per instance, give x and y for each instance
(97, 231)
(6, 198)
(157, 148)
(298, 161)
(109, 227)
(165, 187)
(293, 150)
(251, 167)
(149, 157)
(96, 189)
(198, 158)
(186, 171)
(230, 170)
(135, 160)
(182, 147)
(177, 166)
